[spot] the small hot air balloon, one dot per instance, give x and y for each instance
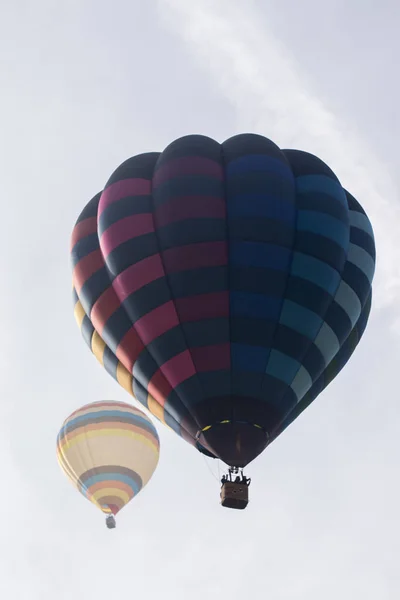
(109, 450)
(225, 286)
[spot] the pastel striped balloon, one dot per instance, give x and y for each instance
(109, 450)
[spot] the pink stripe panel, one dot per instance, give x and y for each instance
(211, 358)
(126, 229)
(83, 229)
(157, 322)
(195, 256)
(138, 275)
(190, 207)
(159, 387)
(123, 189)
(203, 306)
(187, 165)
(85, 268)
(179, 368)
(129, 349)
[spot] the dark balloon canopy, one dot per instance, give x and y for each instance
(224, 285)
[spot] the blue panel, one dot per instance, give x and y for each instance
(171, 422)
(357, 281)
(249, 358)
(87, 331)
(349, 301)
(325, 225)
(261, 205)
(110, 362)
(247, 384)
(259, 162)
(301, 383)
(259, 254)
(323, 184)
(300, 319)
(282, 366)
(314, 270)
(140, 392)
(84, 247)
(246, 304)
(327, 343)
(338, 320)
(215, 383)
(144, 368)
(358, 237)
(93, 288)
(116, 328)
(123, 415)
(364, 261)
(113, 477)
(187, 185)
(361, 221)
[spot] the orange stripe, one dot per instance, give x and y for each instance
(129, 349)
(85, 268)
(103, 308)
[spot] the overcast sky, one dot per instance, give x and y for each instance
(85, 84)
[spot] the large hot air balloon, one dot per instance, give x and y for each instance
(224, 285)
(109, 450)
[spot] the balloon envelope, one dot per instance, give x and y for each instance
(224, 285)
(109, 450)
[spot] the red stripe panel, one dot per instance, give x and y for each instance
(123, 189)
(104, 308)
(138, 275)
(157, 322)
(114, 509)
(195, 256)
(190, 207)
(85, 268)
(159, 387)
(131, 280)
(179, 368)
(187, 165)
(129, 349)
(83, 229)
(203, 306)
(126, 229)
(211, 358)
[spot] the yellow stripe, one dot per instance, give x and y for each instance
(229, 421)
(79, 314)
(67, 470)
(68, 443)
(155, 408)
(124, 378)
(105, 509)
(98, 347)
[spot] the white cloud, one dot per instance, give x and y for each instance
(271, 95)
